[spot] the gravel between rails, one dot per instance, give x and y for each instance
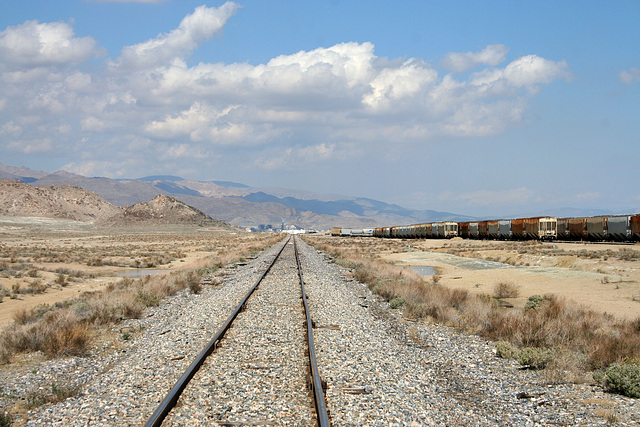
(380, 369)
(258, 374)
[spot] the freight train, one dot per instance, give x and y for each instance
(621, 228)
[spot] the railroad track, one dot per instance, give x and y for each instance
(265, 348)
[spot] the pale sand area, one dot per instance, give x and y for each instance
(109, 275)
(606, 284)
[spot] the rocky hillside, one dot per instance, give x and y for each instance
(162, 210)
(54, 201)
(18, 199)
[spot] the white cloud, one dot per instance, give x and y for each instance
(194, 29)
(183, 151)
(630, 76)
(35, 44)
(31, 146)
(395, 84)
(11, 128)
(460, 62)
(201, 122)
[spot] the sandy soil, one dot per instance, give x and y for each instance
(591, 274)
(22, 239)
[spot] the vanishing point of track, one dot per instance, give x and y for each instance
(313, 379)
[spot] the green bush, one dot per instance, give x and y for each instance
(148, 299)
(623, 379)
(534, 302)
(397, 302)
(535, 357)
(506, 350)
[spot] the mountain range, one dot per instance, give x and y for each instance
(236, 203)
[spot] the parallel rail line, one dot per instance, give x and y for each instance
(170, 401)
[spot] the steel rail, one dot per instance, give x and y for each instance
(172, 398)
(316, 381)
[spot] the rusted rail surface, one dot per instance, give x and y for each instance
(316, 381)
(173, 396)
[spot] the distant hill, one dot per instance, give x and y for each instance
(21, 174)
(162, 211)
(54, 201)
(19, 199)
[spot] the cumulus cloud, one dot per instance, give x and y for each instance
(459, 62)
(201, 122)
(35, 44)
(194, 29)
(629, 76)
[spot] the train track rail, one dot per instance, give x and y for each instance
(277, 296)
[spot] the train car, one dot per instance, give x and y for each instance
(563, 228)
(596, 228)
(483, 230)
(547, 228)
(335, 231)
(428, 230)
(463, 230)
(542, 228)
(493, 229)
(619, 228)
(577, 228)
(345, 232)
(635, 227)
(504, 229)
(361, 232)
(474, 230)
(448, 229)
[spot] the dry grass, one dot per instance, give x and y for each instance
(506, 290)
(67, 328)
(564, 337)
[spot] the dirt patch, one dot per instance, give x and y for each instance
(603, 277)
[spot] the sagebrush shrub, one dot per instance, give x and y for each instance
(624, 379)
(534, 302)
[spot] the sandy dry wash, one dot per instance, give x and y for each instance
(603, 277)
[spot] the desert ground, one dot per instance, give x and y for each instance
(604, 277)
(48, 261)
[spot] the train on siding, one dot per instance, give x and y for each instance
(620, 228)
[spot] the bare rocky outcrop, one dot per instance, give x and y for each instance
(54, 201)
(163, 210)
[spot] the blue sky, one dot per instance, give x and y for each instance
(486, 108)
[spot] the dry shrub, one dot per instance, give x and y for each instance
(69, 340)
(506, 290)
